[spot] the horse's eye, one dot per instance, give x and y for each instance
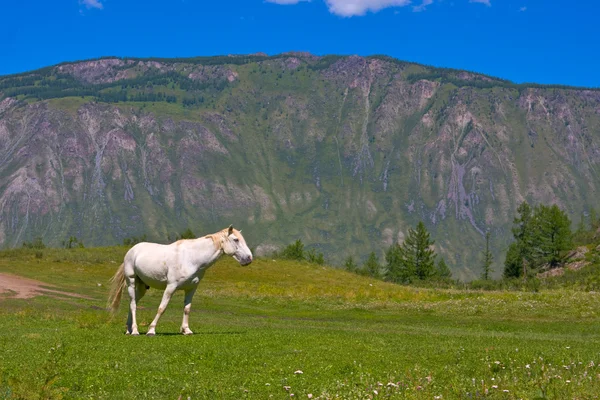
(236, 240)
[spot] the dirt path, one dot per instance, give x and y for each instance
(16, 287)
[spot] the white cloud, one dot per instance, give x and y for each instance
(523, 9)
(92, 4)
(486, 2)
(285, 2)
(349, 8)
(422, 6)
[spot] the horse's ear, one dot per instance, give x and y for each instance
(230, 230)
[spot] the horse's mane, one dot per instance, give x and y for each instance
(217, 236)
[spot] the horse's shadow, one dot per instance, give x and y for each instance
(199, 333)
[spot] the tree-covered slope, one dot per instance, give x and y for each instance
(343, 152)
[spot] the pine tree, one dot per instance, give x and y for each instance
(513, 264)
(315, 258)
(350, 265)
(442, 270)
(542, 236)
(521, 251)
(488, 259)
(553, 233)
(294, 251)
(371, 267)
(524, 231)
(417, 256)
(393, 270)
(187, 234)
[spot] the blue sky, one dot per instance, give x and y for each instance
(521, 40)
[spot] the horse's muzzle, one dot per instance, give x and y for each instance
(246, 260)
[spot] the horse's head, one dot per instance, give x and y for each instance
(235, 246)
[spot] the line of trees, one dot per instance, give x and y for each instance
(543, 238)
(61, 85)
(296, 251)
(414, 260)
(123, 96)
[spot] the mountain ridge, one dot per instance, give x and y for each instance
(334, 150)
(260, 56)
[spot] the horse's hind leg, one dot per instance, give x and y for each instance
(170, 289)
(136, 289)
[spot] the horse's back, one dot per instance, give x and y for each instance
(150, 262)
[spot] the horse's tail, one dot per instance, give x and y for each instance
(116, 290)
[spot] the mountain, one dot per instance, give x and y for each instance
(345, 153)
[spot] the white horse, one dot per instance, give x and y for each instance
(179, 265)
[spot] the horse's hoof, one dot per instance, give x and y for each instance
(150, 334)
(127, 333)
(135, 334)
(187, 333)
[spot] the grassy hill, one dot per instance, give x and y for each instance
(257, 326)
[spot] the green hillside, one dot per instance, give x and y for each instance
(257, 326)
(345, 153)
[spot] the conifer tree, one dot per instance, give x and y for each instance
(393, 259)
(418, 259)
(553, 234)
(542, 236)
(442, 269)
(488, 259)
(521, 251)
(513, 264)
(350, 265)
(372, 267)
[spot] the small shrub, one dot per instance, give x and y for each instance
(134, 240)
(294, 251)
(484, 284)
(37, 243)
(313, 257)
(72, 243)
(187, 234)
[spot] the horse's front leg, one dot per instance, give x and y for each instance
(187, 301)
(170, 289)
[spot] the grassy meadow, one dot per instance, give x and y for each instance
(280, 329)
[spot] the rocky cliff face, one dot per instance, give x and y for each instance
(345, 153)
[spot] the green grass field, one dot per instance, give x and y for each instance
(257, 326)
